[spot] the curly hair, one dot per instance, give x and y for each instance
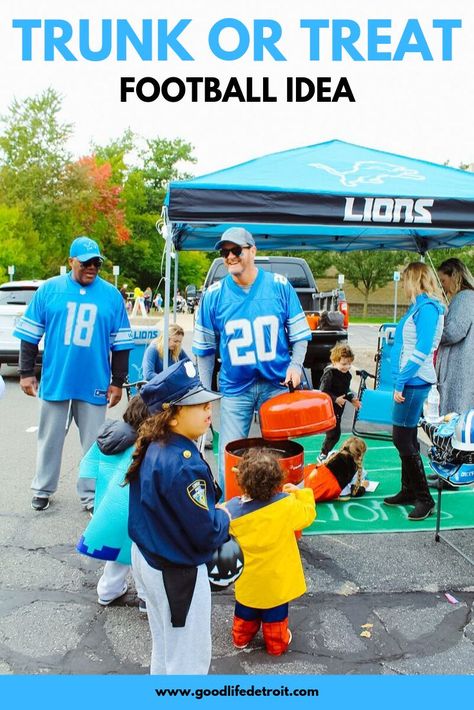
(355, 448)
(259, 473)
(155, 428)
(341, 350)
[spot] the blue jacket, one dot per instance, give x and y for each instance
(172, 515)
(416, 338)
(153, 363)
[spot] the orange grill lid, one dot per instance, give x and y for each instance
(297, 413)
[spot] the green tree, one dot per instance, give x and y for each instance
(19, 242)
(35, 175)
(369, 270)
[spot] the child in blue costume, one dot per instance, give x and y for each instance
(174, 522)
(106, 536)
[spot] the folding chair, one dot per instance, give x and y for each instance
(374, 419)
(457, 474)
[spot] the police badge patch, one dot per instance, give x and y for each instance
(198, 494)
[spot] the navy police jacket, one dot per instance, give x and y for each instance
(172, 515)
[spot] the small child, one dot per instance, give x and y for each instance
(336, 382)
(341, 473)
(106, 536)
(264, 521)
(174, 522)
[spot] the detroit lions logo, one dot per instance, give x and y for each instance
(370, 172)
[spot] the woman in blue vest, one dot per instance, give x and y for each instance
(416, 338)
(153, 357)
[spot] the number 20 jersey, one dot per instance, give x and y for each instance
(254, 329)
(81, 325)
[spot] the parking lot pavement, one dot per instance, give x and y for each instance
(375, 604)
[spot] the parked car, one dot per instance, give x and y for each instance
(14, 298)
(313, 301)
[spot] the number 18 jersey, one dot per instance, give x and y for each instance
(81, 325)
(253, 329)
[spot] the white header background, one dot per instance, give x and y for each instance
(423, 109)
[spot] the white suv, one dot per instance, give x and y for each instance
(14, 298)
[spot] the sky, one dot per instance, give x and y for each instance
(415, 107)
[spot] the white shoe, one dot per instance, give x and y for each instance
(106, 602)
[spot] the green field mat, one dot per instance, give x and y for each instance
(368, 514)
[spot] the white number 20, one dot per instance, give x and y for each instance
(252, 340)
(80, 324)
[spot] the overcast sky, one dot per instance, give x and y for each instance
(423, 109)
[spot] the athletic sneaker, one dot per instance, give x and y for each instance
(38, 503)
(142, 606)
(322, 457)
(106, 602)
(89, 507)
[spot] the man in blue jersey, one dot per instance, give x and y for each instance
(83, 319)
(254, 320)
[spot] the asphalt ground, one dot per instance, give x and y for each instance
(375, 604)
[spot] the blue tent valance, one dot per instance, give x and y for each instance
(329, 196)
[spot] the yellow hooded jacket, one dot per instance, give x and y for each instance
(265, 530)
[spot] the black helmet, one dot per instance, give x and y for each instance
(226, 565)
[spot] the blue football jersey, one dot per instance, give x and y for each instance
(253, 330)
(81, 325)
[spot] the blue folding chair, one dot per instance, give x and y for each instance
(457, 474)
(374, 419)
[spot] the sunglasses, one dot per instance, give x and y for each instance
(236, 251)
(91, 262)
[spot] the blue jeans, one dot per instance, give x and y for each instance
(408, 413)
(236, 416)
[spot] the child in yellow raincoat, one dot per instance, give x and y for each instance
(264, 521)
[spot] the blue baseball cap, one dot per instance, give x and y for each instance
(178, 384)
(84, 248)
(236, 235)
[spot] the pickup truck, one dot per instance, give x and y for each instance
(313, 302)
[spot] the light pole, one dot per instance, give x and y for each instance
(116, 272)
(11, 271)
(396, 279)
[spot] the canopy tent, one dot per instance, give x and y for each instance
(329, 196)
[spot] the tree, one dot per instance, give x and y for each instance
(35, 177)
(368, 270)
(19, 242)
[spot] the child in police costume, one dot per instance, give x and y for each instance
(174, 522)
(264, 521)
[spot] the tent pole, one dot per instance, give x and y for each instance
(175, 286)
(167, 233)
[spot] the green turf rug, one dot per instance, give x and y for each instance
(368, 514)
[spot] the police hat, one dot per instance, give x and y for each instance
(178, 384)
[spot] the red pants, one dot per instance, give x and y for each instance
(274, 627)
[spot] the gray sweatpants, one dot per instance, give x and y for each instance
(54, 421)
(175, 651)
